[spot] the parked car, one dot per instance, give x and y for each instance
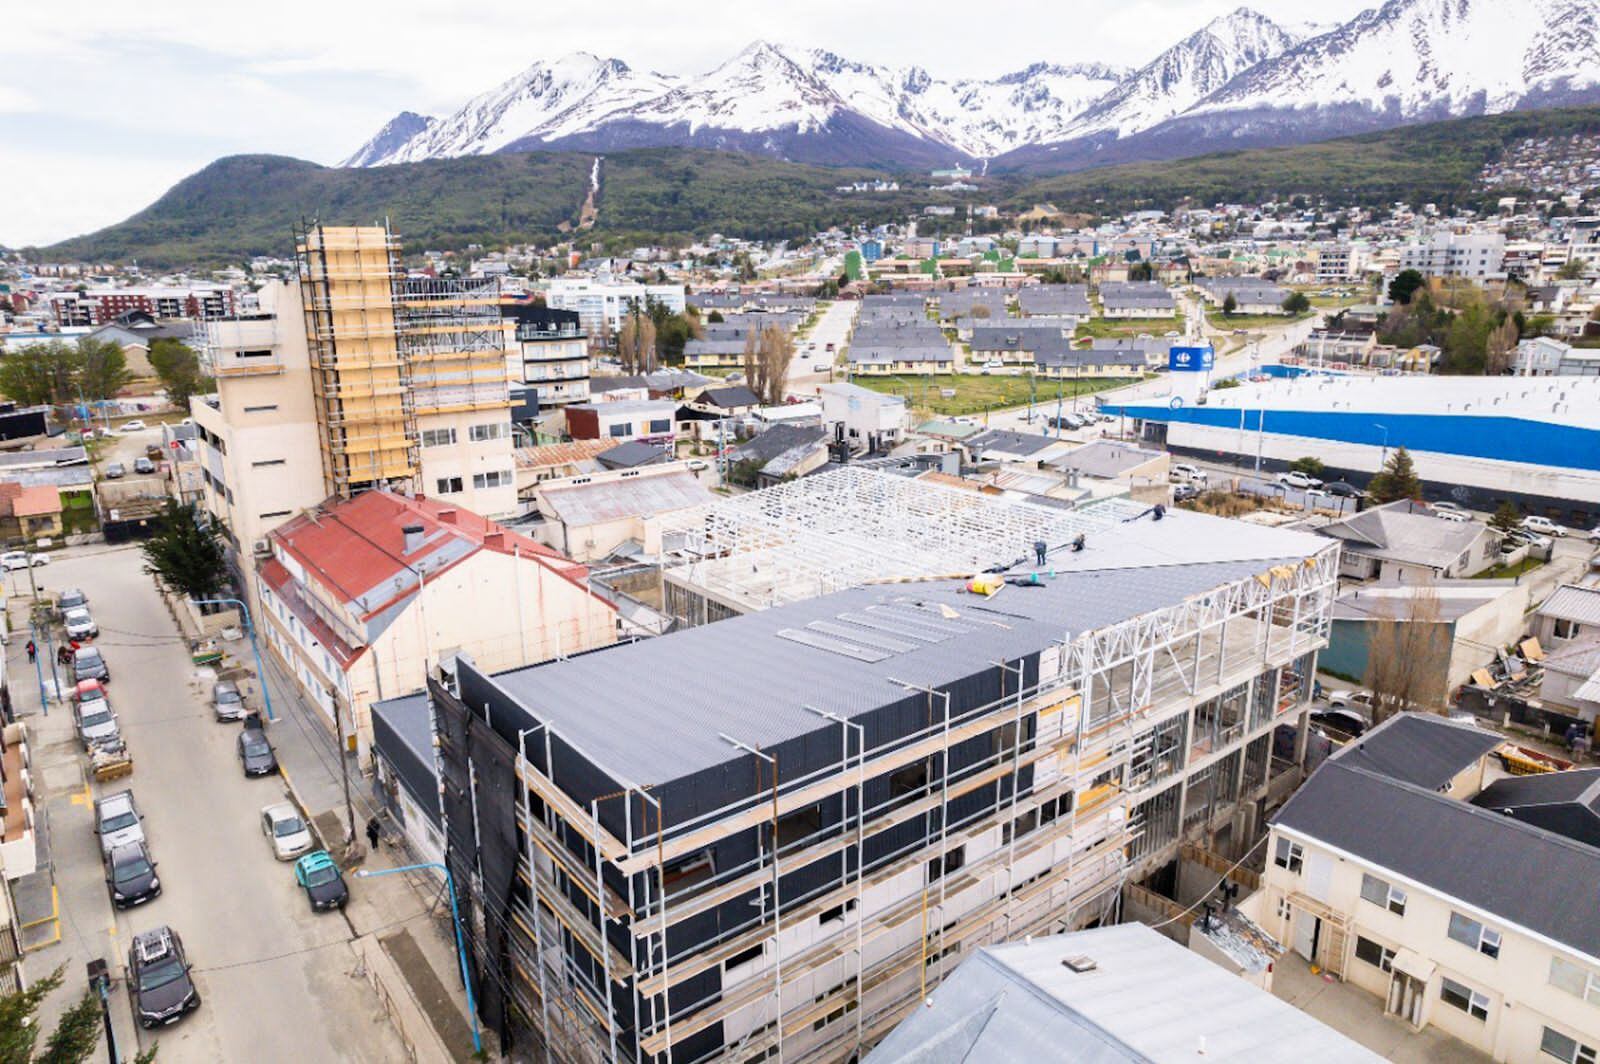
(1186, 472)
(117, 821)
(1294, 478)
(1519, 537)
(698, 465)
(992, 365)
(131, 426)
(226, 701)
(1342, 490)
(286, 830)
(255, 753)
(70, 599)
(89, 664)
(1346, 722)
(143, 466)
(1343, 699)
(1446, 506)
(79, 624)
(1460, 517)
(1543, 526)
(1594, 534)
(1181, 492)
(94, 718)
(21, 559)
(116, 471)
(131, 875)
(158, 978)
(320, 878)
(820, 367)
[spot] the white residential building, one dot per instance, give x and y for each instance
(869, 420)
(602, 303)
(1476, 256)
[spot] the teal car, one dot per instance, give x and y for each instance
(322, 881)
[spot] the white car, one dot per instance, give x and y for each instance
(79, 624)
(1345, 699)
(1460, 517)
(1594, 534)
(1296, 479)
(286, 830)
(21, 559)
(993, 364)
(1543, 526)
(131, 426)
(1444, 505)
(1186, 472)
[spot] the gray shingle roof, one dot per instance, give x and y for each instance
(1573, 602)
(1521, 874)
(1567, 803)
(1399, 532)
(1420, 749)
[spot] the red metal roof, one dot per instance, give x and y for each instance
(354, 546)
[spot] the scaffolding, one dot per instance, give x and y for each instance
(853, 526)
(455, 343)
(349, 277)
(1069, 741)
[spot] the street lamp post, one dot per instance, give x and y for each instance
(249, 630)
(455, 916)
(1384, 460)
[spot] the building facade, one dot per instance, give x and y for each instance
(601, 304)
(551, 355)
(100, 306)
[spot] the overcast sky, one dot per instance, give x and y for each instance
(105, 104)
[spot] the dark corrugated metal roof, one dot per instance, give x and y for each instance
(1421, 749)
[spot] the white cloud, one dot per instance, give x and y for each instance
(122, 104)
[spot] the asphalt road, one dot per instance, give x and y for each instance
(276, 980)
(833, 327)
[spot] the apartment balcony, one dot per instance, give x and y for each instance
(534, 334)
(18, 855)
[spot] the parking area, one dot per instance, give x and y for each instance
(277, 982)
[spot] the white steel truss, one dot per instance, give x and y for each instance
(854, 526)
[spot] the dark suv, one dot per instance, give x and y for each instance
(158, 978)
(131, 875)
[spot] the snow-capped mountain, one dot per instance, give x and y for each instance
(1242, 80)
(1184, 74)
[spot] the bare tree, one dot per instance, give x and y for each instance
(1408, 655)
(1502, 348)
(777, 353)
(754, 365)
(636, 344)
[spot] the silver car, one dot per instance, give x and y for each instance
(226, 701)
(97, 724)
(79, 624)
(117, 821)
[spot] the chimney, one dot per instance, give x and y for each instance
(413, 534)
(494, 540)
(447, 516)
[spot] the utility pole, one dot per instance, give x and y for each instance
(344, 768)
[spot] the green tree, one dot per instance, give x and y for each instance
(1572, 269)
(1229, 305)
(1405, 285)
(1396, 480)
(1506, 517)
(1309, 465)
(1296, 303)
(715, 317)
(177, 365)
(101, 369)
(186, 555)
(37, 374)
(76, 1035)
(1466, 341)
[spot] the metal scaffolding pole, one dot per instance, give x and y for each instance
(540, 960)
(777, 900)
(845, 727)
(600, 927)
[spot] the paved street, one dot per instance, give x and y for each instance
(833, 327)
(276, 980)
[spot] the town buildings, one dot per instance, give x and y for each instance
(1478, 256)
(602, 303)
(101, 306)
(549, 356)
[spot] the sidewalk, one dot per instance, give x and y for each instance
(408, 914)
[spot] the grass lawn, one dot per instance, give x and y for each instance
(853, 266)
(1110, 327)
(1220, 320)
(976, 393)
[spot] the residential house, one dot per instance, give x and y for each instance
(1090, 995)
(783, 452)
(361, 597)
(1571, 612)
(599, 514)
(136, 331)
(1472, 619)
(1570, 682)
(653, 420)
(1402, 542)
(730, 401)
(867, 420)
(1540, 356)
(1384, 872)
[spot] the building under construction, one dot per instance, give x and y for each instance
(770, 836)
(409, 374)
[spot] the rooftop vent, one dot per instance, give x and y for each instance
(1081, 963)
(413, 534)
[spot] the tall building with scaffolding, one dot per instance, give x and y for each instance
(409, 374)
(772, 835)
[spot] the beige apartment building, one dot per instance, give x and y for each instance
(257, 437)
(1460, 901)
(360, 596)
